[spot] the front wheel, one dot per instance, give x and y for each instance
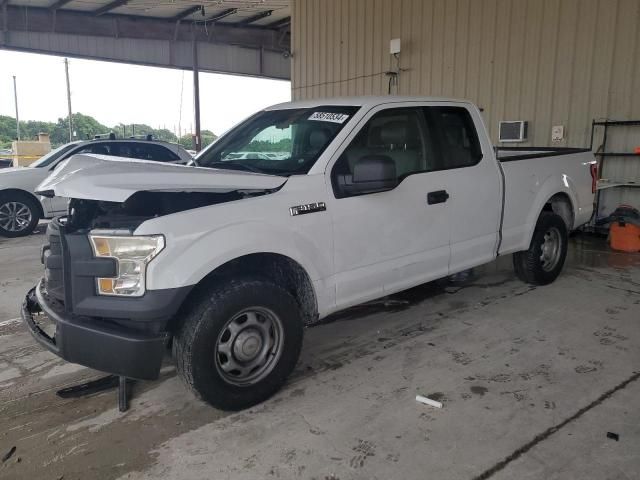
(238, 342)
(543, 261)
(19, 215)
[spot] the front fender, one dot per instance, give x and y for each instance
(187, 260)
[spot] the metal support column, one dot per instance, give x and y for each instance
(196, 97)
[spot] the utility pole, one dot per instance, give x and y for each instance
(66, 69)
(15, 98)
(196, 96)
(180, 112)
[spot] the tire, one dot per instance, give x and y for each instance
(222, 339)
(543, 261)
(19, 215)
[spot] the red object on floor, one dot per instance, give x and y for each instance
(624, 237)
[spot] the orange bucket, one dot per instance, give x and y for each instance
(624, 237)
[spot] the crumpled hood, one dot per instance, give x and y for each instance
(114, 179)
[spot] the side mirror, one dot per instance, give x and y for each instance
(371, 174)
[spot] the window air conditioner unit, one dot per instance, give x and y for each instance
(513, 131)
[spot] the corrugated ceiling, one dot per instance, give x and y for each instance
(280, 9)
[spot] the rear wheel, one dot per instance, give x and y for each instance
(543, 261)
(19, 215)
(239, 342)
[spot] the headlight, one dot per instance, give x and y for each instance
(132, 254)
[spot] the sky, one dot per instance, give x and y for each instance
(115, 92)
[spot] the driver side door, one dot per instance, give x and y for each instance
(390, 240)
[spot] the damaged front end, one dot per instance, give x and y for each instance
(92, 306)
(87, 215)
(93, 297)
(67, 314)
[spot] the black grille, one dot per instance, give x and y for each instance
(52, 259)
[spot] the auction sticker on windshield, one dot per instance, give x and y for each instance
(329, 117)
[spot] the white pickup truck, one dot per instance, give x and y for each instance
(228, 260)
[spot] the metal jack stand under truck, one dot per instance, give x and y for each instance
(100, 385)
(35, 321)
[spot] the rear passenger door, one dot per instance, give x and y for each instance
(388, 241)
(473, 184)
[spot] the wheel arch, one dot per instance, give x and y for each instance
(280, 269)
(557, 195)
(562, 205)
(25, 194)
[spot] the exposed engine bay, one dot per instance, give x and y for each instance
(142, 206)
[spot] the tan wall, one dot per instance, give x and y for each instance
(26, 152)
(551, 62)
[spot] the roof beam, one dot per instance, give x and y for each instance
(108, 7)
(60, 3)
(84, 23)
(256, 17)
(279, 23)
(5, 22)
(223, 14)
(185, 13)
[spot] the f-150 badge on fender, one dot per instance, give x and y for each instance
(308, 208)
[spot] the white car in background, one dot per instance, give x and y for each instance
(6, 158)
(21, 209)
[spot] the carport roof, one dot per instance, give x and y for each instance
(272, 14)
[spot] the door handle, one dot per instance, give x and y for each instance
(439, 196)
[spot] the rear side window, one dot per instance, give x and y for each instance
(101, 148)
(146, 151)
(457, 136)
(139, 150)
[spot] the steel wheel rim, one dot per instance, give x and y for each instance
(15, 216)
(249, 346)
(550, 249)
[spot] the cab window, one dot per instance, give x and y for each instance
(401, 135)
(457, 136)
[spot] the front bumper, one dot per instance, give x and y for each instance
(93, 342)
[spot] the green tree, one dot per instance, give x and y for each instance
(282, 145)
(207, 137)
(7, 130)
(86, 127)
(141, 129)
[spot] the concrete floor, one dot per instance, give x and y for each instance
(531, 379)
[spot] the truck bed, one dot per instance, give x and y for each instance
(532, 175)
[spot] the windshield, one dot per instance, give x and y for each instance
(52, 156)
(278, 142)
